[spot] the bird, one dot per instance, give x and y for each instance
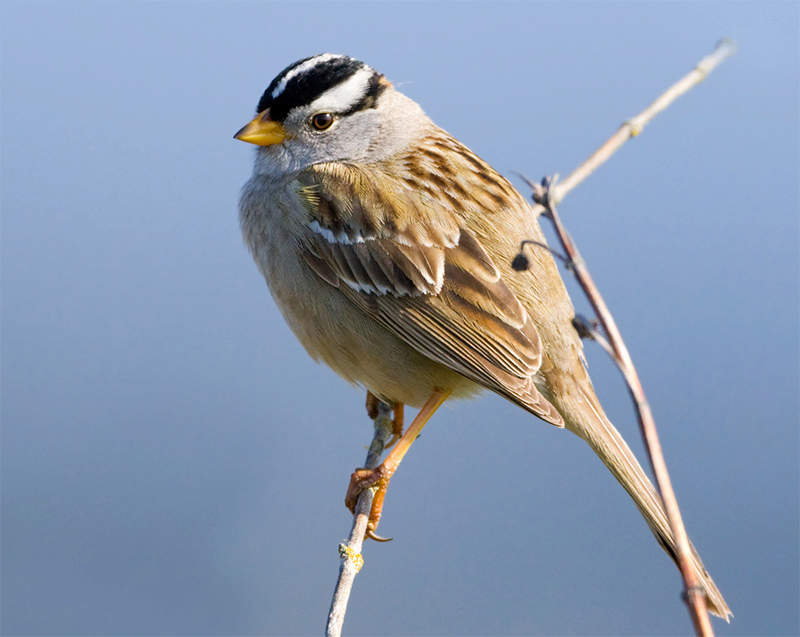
(387, 245)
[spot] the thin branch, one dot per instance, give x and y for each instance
(693, 593)
(588, 330)
(546, 197)
(350, 551)
(521, 262)
(724, 49)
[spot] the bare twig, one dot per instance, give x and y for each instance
(588, 330)
(521, 262)
(694, 593)
(546, 197)
(724, 49)
(350, 551)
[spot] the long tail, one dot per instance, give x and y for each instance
(586, 418)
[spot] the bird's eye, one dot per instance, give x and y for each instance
(322, 121)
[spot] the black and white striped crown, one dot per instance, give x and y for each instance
(349, 83)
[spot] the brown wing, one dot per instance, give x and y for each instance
(425, 277)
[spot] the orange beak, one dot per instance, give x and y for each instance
(262, 131)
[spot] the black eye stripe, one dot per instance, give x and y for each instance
(308, 85)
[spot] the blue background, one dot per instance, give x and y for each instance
(173, 463)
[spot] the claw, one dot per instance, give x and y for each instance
(359, 480)
(366, 479)
(374, 536)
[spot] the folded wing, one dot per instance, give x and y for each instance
(423, 276)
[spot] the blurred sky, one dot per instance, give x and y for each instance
(174, 464)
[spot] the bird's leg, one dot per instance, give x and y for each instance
(397, 425)
(397, 421)
(380, 476)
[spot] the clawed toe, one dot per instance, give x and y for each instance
(360, 479)
(365, 479)
(374, 536)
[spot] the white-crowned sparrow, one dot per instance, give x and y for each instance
(387, 245)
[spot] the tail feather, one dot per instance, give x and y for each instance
(609, 445)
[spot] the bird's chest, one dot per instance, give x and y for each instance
(329, 327)
(271, 232)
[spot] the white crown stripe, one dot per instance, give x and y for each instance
(301, 68)
(344, 94)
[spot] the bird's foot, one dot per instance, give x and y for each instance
(380, 476)
(366, 479)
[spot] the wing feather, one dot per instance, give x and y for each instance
(424, 276)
